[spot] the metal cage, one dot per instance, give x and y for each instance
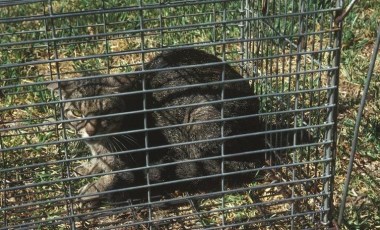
(286, 50)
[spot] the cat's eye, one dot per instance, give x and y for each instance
(76, 112)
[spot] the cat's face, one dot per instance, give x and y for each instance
(86, 115)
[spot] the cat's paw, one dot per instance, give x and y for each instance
(91, 199)
(89, 189)
(83, 169)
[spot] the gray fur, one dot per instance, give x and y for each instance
(200, 112)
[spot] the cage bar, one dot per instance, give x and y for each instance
(287, 52)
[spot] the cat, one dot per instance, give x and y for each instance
(176, 111)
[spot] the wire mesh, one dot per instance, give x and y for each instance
(286, 51)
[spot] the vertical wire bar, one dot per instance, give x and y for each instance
(262, 86)
(3, 180)
(305, 84)
(66, 165)
(310, 168)
(290, 70)
(213, 19)
(222, 109)
(161, 25)
(332, 79)
(332, 114)
(318, 114)
(248, 45)
(297, 103)
(146, 140)
(291, 52)
(268, 84)
(242, 51)
(357, 126)
(3, 175)
(283, 120)
(279, 82)
(106, 37)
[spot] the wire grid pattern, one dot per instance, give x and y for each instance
(287, 50)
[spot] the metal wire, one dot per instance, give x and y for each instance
(285, 49)
(357, 126)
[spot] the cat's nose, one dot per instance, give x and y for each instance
(90, 127)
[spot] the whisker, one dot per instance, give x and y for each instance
(118, 144)
(110, 145)
(130, 140)
(124, 144)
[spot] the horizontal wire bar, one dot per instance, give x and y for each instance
(178, 144)
(135, 223)
(157, 30)
(159, 6)
(215, 102)
(107, 55)
(224, 158)
(137, 72)
(272, 149)
(199, 196)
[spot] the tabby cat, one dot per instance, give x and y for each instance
(174, 111)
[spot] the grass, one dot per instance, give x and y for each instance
(363, 204)
(35, 169)
(362, 209)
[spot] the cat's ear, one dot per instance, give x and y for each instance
(126, 84)
(117, 89)
(54, 87)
